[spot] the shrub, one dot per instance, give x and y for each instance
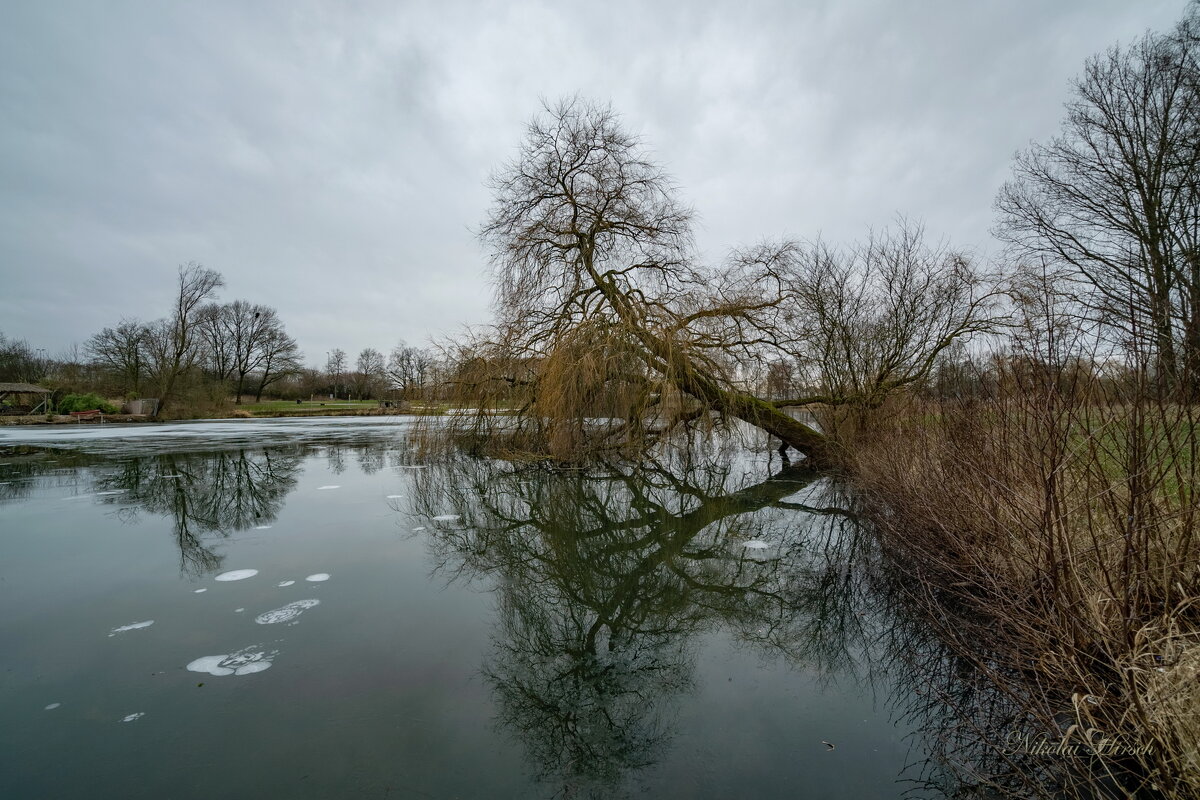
(85, 402)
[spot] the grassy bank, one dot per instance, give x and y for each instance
(333, 408)
(67, 419)
(315, 408)
(1051, 534)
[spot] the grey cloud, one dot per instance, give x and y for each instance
(329, 158)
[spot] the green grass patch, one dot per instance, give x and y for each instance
(292, 407)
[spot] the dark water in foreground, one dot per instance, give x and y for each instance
(484, 631)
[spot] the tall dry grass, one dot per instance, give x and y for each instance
(1050, 529)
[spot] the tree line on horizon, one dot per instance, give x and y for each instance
(206, 354)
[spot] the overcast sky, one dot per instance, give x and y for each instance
(329, 158)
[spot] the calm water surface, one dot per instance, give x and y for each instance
(466, 629)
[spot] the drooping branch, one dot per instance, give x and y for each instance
(609, 320)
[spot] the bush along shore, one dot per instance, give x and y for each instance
(1049, 535)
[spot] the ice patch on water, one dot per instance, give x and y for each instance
(236, 575)
(394, 496)
(133, 717)
(447, 517)
(286, 583)
(169, 477)
(114, 491)
(199, 591)
(133, 626)
(756, 544)
(246, 661)
(238, 610)
(287, 613)
(318, 577)
(262, 527)
(418, 528)
(211, 665)
(53, 706)
(319, 488)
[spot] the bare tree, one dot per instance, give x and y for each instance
(1115, 198)
(371, 373)
(279, 358)
(214, 326)
(874, 318)
(179, 349)
(19, 362)
(604, 312)
(122, 350)
(335, 368)
(248, 328)
(592, 255)
(408, 369)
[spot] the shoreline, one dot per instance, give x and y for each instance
(124, 419)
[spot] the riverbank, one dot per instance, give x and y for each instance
(1050, 538)
(325, 412)
(67, 419)
(358, 410)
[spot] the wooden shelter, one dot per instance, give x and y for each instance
(19, 398)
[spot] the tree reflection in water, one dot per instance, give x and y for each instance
(605, 576)
(24, 468)
(206, 495)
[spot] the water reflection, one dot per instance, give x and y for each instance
(606, 581)
(606, 576)
(206, 495)
(23, 468)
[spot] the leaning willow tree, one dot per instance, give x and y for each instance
(609, 331)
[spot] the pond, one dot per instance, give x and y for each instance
(307, 609)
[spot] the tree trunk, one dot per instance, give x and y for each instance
(708, 390)
(746, 407)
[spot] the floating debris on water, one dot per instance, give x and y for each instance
(262, 527)
(447, 517)
(238, 610)
(246, 661)
(53, 706)
(236, 575)
(135, 716)
(394, 496)
(319, 488)
(133, 626)
(199, 591)
(287, 613)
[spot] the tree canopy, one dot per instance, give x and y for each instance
(609, 326)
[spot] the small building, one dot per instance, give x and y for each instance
(22, 398)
